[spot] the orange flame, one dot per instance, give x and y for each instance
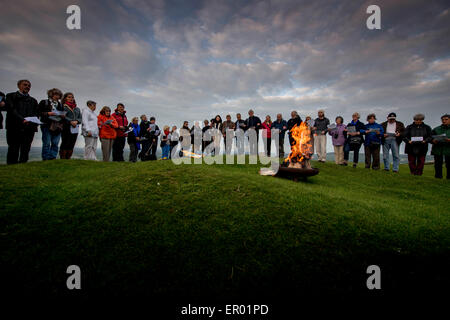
(301, 147)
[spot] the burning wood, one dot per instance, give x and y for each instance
(301, 148)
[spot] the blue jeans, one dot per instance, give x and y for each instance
(165, 151)
(49, 144)
(391, 144)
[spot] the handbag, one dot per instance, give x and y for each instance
(55, 127)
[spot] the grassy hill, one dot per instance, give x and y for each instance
(220, 231)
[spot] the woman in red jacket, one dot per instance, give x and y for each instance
(267, 134)
(107, 126)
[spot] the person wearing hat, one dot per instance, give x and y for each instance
(441, 148)
(417, 136)
(392, 138)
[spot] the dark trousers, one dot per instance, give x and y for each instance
(19, 144)
(173, 144)
(133, 152)
(416, 163)
(267, 145)
(355, 149)
(117, 149)
(438, 162)
(68, 141)
(372, 153)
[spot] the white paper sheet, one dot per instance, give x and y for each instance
(74, 130)
(416, 139)
(33, 120)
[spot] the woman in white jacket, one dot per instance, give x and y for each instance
(90, 131)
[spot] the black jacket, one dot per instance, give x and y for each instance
(358, 126)
(44, 107)
(400, 129)
(2, 97)
(417, 148)
(321, 125)
(292, 122)
(18, 107)
(253, 122)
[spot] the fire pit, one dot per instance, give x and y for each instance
(298, 164)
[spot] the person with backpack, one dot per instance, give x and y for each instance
(51, 114)
(372, 144)
(355, 139)
(71, 122)
(417, 136)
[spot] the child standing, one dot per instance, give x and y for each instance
(165, 143)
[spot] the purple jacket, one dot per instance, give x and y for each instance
(341, 135)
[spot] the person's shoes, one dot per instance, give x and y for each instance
(355, 165)
(386, 170)
(439, 177)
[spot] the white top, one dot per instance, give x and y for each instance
(89, 122)
(391, 127)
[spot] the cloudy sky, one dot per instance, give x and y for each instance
(190, 60)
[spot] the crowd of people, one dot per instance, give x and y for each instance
(60, 120)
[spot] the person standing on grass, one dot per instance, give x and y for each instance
(372, 145)
(417, 136)
(71, 122)
(107, 125)
(281, 125)
(119, 142)
(441, 149)
(308, 120)
(185, 138)
(239, 130)
(320, 135)
(229, 126)
(52, 124)
(165, 143)
(174, 138)
(133, 139)
(393, 133)
(267, 134)
(144, 138)
(338, 136)
(90, 131)
(196, 137)
(20, 132)
(253, 123)
(206, 134)
(216, 126)
(154, 133)
(355, 138)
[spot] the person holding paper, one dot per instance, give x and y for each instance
(71, 121)
(338, 136)
(239, 130)
(441, 147)
(417, 136)
(133, 138)
(355, 138)
(320, 135)
(119, 143)
(20, 132)
(52, 123)
(372, 144)
(90, 131)
(253, 123)
(107, 126)
(393, 133)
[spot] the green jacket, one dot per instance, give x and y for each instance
(442, 148)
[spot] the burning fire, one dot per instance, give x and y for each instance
(301, 148)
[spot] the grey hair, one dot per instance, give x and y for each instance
(419, 116)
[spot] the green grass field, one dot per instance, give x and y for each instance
(220, 231)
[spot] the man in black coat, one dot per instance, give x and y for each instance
(20, 132)
(254, 123)
(294, 120)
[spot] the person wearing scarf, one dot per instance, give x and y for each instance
(71, 122)
(165, 143)
(134, 134)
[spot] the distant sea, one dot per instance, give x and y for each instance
(35, 155)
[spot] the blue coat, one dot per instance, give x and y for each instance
(373, 136)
